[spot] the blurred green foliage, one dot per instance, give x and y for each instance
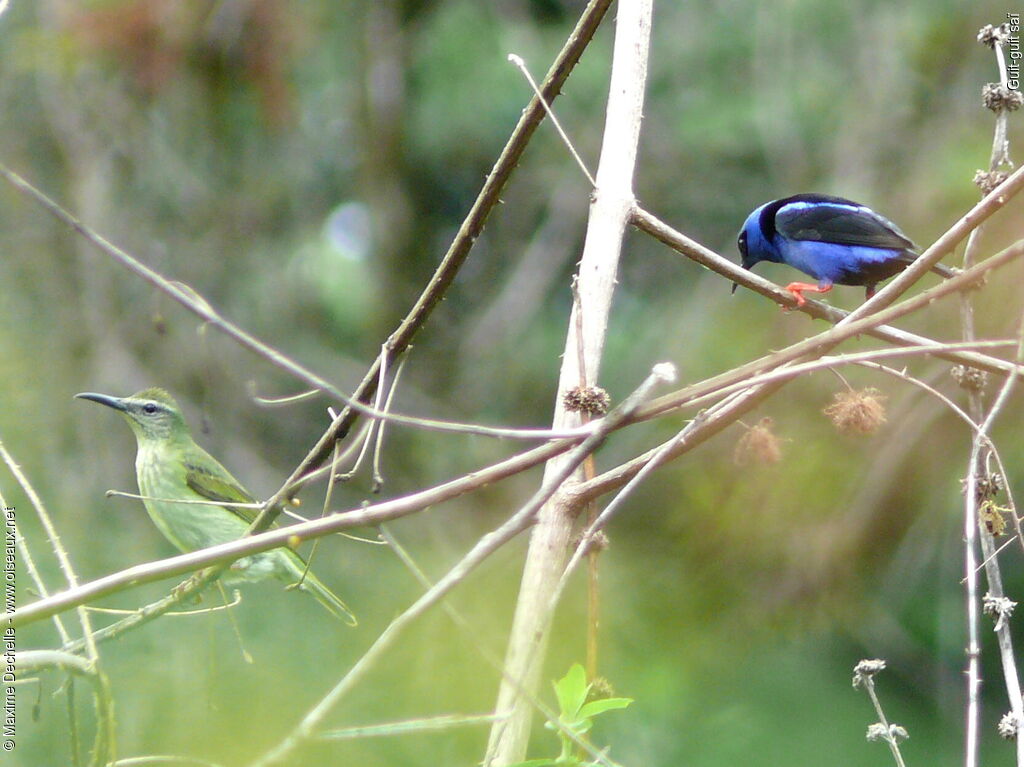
(304, 167)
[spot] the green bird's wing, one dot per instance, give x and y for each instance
(212, 481)
(220, 486)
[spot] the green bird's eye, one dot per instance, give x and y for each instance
(149, 408)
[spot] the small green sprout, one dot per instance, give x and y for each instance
(575, 718)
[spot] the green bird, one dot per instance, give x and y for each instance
(170, 467)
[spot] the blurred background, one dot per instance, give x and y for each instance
(304, 167)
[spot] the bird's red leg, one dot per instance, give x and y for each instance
(798, 288)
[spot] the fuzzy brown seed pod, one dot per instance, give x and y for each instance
(986, 181)
(758, 445)
(591, 400)
(857, 412)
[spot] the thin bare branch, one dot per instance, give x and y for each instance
(974, 533)
(406, 726)
(706, 257)
(105, 745)
(458, 251)
(35, 661)
(228, 552)
(191, 300)
(484, 547)
(25, 555)
(830, 338)
(943, 246)
(521, 66)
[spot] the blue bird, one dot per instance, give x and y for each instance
(834, 240)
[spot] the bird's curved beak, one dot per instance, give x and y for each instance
(103, 399)
(746, 265)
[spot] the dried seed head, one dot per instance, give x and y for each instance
(997, 97)
(1008, 726)
(969, 378)
(990, 485)
(989, 35)
(590, 400)
(987, 180)
(857, 412)
(866, 669)
(986, 487)
(997, 607)
(892, 734)
(758, 445)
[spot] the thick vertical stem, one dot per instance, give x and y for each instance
(609, 213)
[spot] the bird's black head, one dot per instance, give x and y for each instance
(742, 244)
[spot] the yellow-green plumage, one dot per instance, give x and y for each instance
(171, 467)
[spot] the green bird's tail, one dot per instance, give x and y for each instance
(304, 580)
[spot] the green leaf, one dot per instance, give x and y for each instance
(596, 707)
(535, 763)
(571, 690)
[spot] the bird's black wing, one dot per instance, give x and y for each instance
(834, 219)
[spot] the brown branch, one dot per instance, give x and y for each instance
(822, 342)
(483, 548)
(470, 229)
(709, 424)
(647, 222)
(228, 552)
(428, 300)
